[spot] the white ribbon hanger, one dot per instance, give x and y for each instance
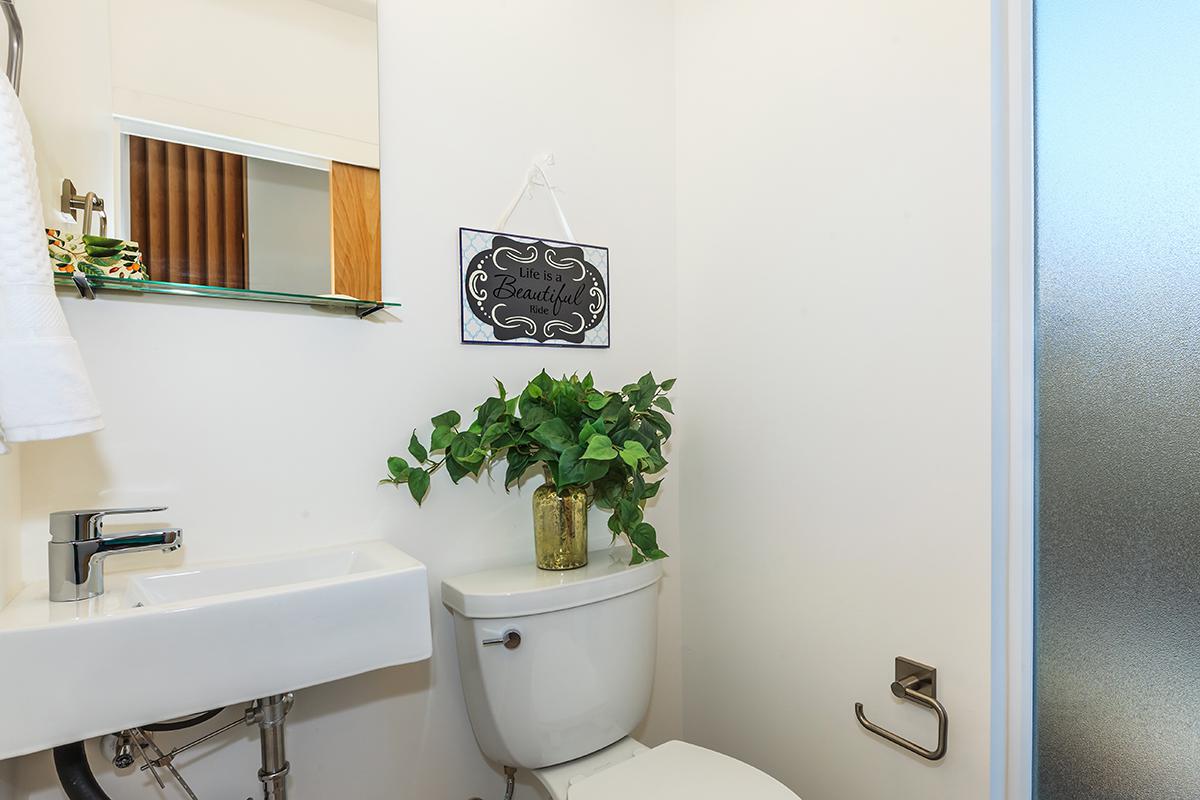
(537, 176)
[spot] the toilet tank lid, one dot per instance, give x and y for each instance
(523, 590)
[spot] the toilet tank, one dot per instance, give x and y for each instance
(579, 679)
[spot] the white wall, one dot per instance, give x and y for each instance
(10, 524)
(294, 74)
(834, 246)
(68, 103)
(10, 566)
(265, 428)
(287, 228)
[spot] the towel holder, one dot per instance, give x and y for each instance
(16, 43)
(917, 683)
(71, 202)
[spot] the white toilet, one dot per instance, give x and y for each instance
(557, 669)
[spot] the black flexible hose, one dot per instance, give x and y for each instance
(184, 723)
(75, 774)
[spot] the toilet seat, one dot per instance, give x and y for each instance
(672, 771)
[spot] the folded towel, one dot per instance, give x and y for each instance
(44, 388)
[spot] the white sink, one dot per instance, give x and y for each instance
(160, 644)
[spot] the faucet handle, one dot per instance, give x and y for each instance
(80, 524)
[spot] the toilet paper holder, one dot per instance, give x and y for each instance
(917, 683)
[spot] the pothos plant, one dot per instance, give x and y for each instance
(606, 442)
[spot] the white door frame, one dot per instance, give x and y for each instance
(1014, 466)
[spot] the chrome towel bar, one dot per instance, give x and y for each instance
(16, 41)
(918, 683)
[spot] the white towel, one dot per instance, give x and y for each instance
(44, 388)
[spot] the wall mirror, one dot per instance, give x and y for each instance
(210, 147)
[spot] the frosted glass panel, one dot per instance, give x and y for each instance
(1118, 260)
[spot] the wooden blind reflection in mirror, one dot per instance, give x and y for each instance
(187, 209)
(354, 230)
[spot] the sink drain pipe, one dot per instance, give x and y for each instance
(75, 774)
(270, 714)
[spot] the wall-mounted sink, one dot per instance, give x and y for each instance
(160, 644)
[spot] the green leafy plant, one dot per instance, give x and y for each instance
(606, 442)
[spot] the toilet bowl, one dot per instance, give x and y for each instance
(556, 670)
(628, 770)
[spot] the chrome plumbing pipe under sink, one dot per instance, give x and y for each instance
(78, 548)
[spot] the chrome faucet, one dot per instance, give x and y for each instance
(78, 548)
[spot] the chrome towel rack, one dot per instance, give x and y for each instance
(71, 202)
(16, 41)
(917, 683)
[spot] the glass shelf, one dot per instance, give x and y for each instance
(96, 285)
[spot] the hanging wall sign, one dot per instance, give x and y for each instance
(523, 290)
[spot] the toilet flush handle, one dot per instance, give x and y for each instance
(511, 639)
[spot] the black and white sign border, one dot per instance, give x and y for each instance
(467, 316)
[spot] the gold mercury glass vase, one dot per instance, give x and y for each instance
(560, 527)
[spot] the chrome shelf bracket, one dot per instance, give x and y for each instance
(917, 683)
